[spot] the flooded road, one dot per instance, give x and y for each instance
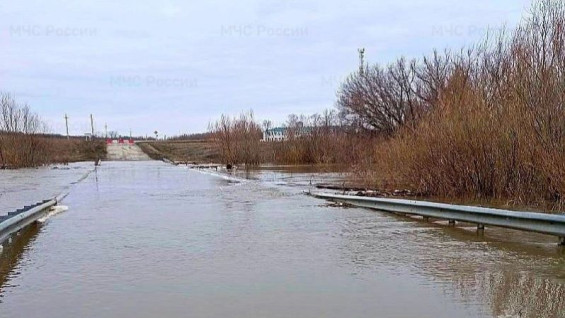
(26, 186)
(146, 239)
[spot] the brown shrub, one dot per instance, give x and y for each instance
(497, 128)
(238, 139)
(23, 142)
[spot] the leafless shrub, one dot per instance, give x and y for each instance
(493, 123)
(385, 99)
(19, 145)
(316, 139)
(238, 139)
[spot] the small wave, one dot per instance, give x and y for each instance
(220, 175)
(52, 212)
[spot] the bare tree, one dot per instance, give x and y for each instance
(382, 98)
(19, 145)
(238, 139)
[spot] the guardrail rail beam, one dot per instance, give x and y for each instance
(552, 224)
(17, 220)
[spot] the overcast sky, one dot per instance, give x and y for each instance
(173, 66)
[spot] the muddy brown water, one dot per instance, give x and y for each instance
(146, 239)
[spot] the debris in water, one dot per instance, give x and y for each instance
(337, 205)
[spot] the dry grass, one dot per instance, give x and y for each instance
(319, 147)
(199, 151)
(62, 150)
(21, 150)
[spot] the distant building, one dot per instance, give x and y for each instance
(282, 133)
(275, 134)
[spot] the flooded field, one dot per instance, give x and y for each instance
(147, 239)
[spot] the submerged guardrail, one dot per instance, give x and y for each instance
(17, 220)
(527, 221)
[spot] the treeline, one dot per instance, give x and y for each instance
(487, 121)
(19, 146)
(238, 139)
(316, 139)
(25, 143)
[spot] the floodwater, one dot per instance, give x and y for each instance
(27, 186)
(146, 239)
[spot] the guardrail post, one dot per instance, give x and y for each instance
(520, 220)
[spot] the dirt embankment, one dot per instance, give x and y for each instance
(191, 151)
(75, 150)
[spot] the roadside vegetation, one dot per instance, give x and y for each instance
(24, 141)
(316, 139)
(181, 150)
(486, 122)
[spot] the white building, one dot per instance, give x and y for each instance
(275, 134)
(282, 133)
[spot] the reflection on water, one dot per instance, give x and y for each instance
(146, 239)
(12, 254)
(515, 274)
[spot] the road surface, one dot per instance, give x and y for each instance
(125, 152)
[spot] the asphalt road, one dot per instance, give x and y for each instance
(125, 152)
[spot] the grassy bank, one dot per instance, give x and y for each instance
(192, 151)
(62, 150)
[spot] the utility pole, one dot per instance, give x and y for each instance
(361, 60)
(130, 133)
(67, 124)
(106, 130)
(91, 126)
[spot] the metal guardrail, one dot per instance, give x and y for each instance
(527, 221)
(17, 220)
